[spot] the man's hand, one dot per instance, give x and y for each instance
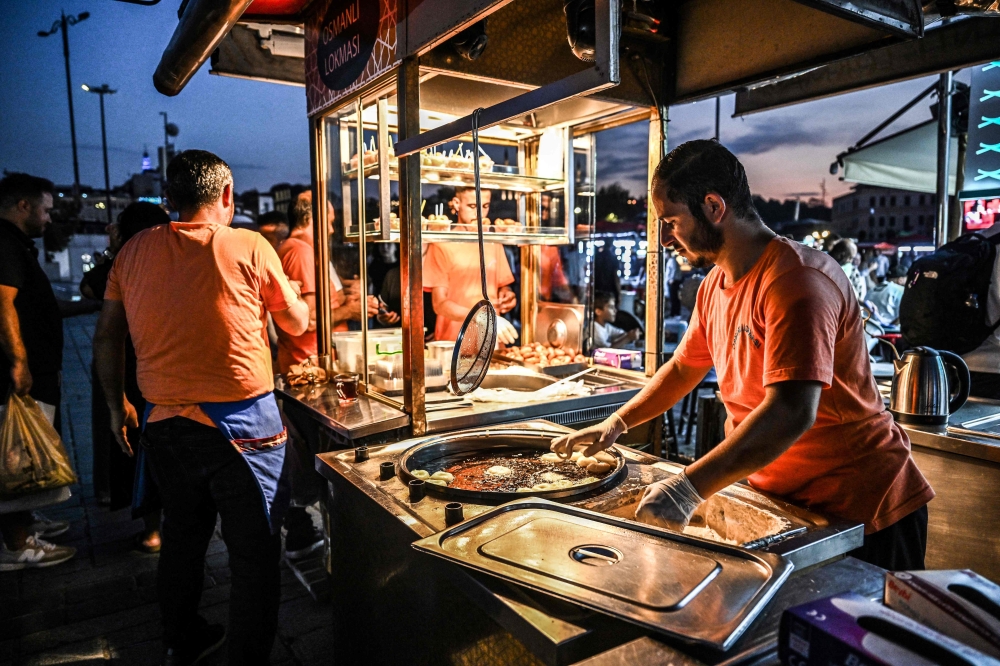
(634, 334)
(122, 418)
(296, 287)
(595, 438)
(352, 287)
(21, 377)
(372, 306)
(507, 301)
(388, 318)
(669, 503)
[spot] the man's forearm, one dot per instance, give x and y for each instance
(765, 434)
(665, 389)
(109, 360)
(10, 334)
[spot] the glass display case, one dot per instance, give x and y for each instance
(538, 168)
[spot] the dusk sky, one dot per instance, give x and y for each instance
(261, 129)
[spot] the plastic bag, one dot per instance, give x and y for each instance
(32, 456)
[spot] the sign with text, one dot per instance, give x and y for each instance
(348, 44)
(982, 157)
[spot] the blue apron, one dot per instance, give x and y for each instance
(253, 426)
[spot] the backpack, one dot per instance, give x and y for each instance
(944, 305)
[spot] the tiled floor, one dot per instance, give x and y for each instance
(101, 607)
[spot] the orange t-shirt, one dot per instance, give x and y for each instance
(195, 295)
(553, 275)
(456, 266)
(794, 317)
(298, 260)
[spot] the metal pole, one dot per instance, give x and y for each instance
(362, 248)
(410, 248)
(69, 95)
(166, 142)
(654, 252)
(718, 104)
(321, 238)
(104, 146)
(943, 158)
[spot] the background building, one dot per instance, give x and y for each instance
(875, 214)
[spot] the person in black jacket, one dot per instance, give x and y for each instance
(122, 469)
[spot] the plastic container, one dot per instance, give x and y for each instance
(348, 346)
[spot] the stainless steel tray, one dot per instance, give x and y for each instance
(689, 588)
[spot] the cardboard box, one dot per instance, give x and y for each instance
(626, 359)
(958, 603)
(850, 629)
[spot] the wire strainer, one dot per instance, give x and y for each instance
(471, 359)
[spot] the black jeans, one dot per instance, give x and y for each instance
(899, 547)
(200, 474)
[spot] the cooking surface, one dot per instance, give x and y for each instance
(486, 472)
(685, 587)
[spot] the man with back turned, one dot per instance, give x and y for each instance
(194, 296)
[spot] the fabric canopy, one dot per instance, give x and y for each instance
(907, 160)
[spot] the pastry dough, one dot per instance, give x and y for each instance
(551, 458)
(585, 461)
(598, 467)
(605, 457)
(499, 470)
(420, 474)
(443, 476)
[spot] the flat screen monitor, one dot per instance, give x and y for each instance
(980, 214)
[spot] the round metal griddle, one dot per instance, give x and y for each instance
(441, 452)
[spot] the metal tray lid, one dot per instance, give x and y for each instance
(689, 588)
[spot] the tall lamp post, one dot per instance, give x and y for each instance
(63, 24)
(102, 91)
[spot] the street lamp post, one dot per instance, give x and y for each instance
(102, 91)
(63, 24)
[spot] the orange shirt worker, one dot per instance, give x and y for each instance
(452, 273)
(298, 260)
(780, 323)
(194, 296)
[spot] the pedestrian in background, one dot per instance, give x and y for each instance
(193, 295)
(31, 347)
(121, 468)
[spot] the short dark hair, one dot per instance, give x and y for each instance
(602, 298)
(693, 169)
(139, 216)
(196, 178)
(15, 187)
(462, 189)
(272, 217)
(300, 213)
(843, 251)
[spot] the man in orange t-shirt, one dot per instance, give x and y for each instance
(452, 273)
(782, 327)
(298, 259)
(194, 295)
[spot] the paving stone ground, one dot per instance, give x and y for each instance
(100, 607)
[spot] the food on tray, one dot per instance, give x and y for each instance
(597, 467)
(435, 223)
(604, 457)
(421, 474)
(436, 482)
(527, 471)
(550, 457)
(300, 375)
(584, 461)
(507, 225)
(544, 355)
(443, 476)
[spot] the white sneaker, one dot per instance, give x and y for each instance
(35, 554)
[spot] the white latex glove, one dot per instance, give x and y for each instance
(595, 438)
(669, 503)
(506, 333)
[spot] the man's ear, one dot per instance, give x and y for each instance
(714, 207)
(227, 195)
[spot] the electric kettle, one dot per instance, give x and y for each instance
(922, 391)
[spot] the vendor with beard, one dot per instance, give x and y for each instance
(781, 325)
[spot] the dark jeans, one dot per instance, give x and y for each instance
(200, 475)
(899, 547)
(985, 385)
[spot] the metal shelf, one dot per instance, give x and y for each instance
(466, 177)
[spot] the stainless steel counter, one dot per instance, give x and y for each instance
(964, 470)
(370, 416)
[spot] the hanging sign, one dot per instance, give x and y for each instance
(982, 156)
(348, 44)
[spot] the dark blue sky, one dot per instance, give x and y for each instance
(261, 129)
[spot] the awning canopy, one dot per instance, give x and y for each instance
(907, 160)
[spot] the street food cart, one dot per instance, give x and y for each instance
(528, 572)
